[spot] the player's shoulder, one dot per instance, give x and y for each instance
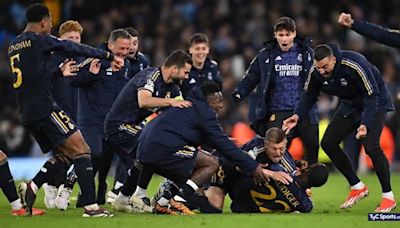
(142, 56)
(152, 73)
(255, 143)
(212, 62)
(349, 57)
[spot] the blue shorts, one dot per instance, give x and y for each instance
(177, 167)
(123, 139)
(53, 130)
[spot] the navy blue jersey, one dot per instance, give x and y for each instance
(273, 196)
(259, 76)
(126, 107)
(137, 64)
(209, 72)
(286, 83)
(176, 128)
(356, 81)
(28, 55)
(97, 92)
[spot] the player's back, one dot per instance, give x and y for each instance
(27, 61)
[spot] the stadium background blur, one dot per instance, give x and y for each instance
(237, 30)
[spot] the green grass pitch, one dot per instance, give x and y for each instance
(326, 213)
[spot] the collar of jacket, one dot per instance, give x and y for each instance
(303, 43)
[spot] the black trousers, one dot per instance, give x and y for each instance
(339, 128)
(304, 129)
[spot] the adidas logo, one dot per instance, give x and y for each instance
(192, 81)
(278, 58)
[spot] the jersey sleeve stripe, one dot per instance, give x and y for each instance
(307, 83)
(360, 72)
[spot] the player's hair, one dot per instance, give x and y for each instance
(70, 26)
(198, 38)
(133, 32)
(209, 88)
(118, 33)
(178, 58)
(286, 23)
(322, 51)
(317, 174)
(36, 12)
(275, 135)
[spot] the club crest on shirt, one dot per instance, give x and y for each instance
(300, 57)
(209, 76)
(343, 82)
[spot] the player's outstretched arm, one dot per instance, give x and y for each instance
(390, 37)
(51, 43)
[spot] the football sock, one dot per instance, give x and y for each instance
(84, 171)
(60, 171)
(71, 179)
(188, 188)
(45, 172)
(140, 192)
(131, 181)
(358, 186)
(388, 195)
(118, 185)
(7, 181)
(16, 204)
(145, 177)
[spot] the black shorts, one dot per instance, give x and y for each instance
(178, 167)
(53, 130)
(225, 177)
(124, 138)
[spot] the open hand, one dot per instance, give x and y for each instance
(290, 123)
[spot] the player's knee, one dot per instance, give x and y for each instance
(3, 156)
(66, 161)
(82, 148)
(327, 144)
(372, 148)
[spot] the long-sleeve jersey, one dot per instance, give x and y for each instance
(28, 56)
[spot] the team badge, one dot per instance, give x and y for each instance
(272, 118)
(209, 76)
(71, 126)
(343, 82)
(300, 57)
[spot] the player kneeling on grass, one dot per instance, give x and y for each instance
(8, 187)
